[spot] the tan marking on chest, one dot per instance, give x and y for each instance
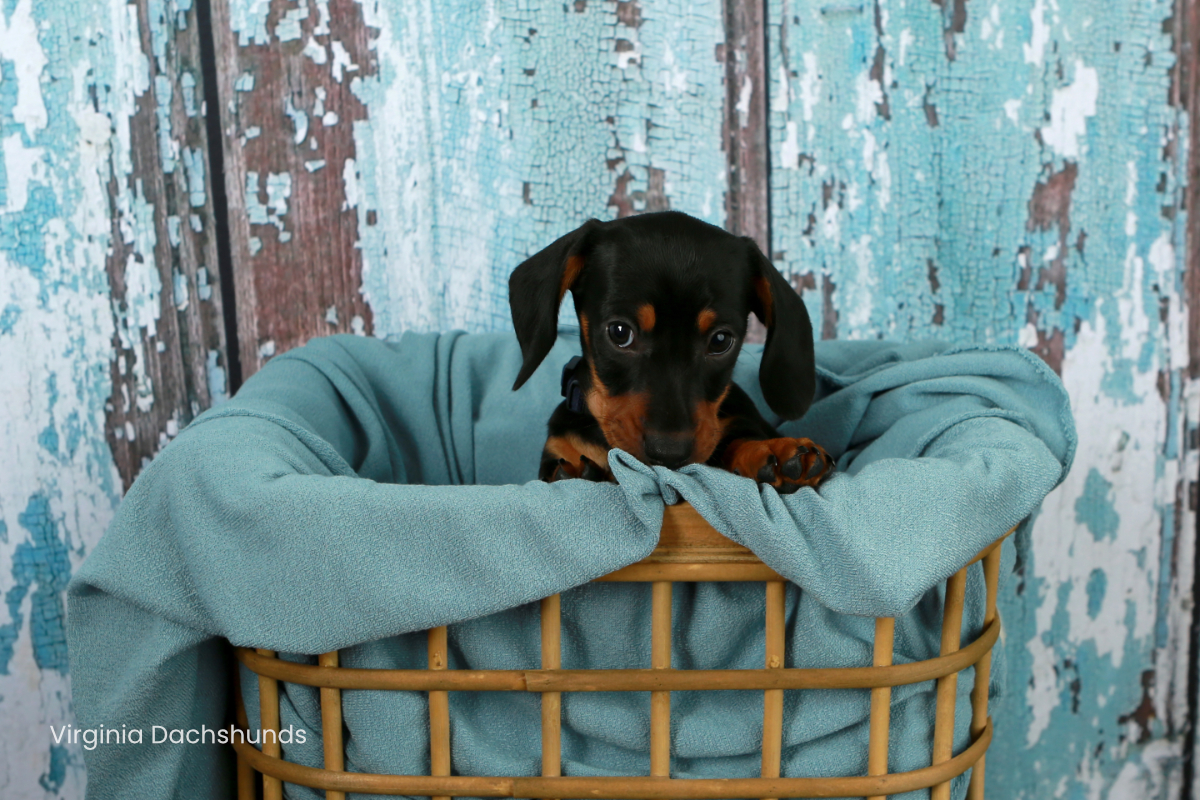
(709, 428)
(621, 417)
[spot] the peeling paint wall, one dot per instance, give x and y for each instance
(111, 334)
(531, 119)
(966, 169)
(461, 135)
(1011, 172)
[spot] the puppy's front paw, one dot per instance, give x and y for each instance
(787, 464)
(568, 456)
(585, 468)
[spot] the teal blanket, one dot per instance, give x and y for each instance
(356, 492)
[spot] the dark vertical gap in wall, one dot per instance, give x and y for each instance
(765, 77)
(1188, 780)
(216, 165)
(745, 136)
(732, 143)
(747, 141)
(1186, 98)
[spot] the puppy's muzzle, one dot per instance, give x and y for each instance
(670, 450)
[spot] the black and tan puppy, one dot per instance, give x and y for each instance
(663, 302)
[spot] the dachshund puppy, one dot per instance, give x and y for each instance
(663, 302)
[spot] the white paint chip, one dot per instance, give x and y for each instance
(1069, 110)
(1039, 34)
(810, 85)
(1012, 110)
(341, 61)
(22, 165)
(350, 180)
(19, 41)
(299, 120)
(789, 152)
(745, 97)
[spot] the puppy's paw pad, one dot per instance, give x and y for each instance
(766, 473)
(562, 471)
(785, 463)
(591, 471)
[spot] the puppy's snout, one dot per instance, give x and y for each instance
(670, 450)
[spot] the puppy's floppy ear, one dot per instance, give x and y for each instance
(787, 374)
(535, 290)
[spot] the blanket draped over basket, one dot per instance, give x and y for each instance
(356, 491)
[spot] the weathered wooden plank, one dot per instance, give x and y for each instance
(1185, 95)
(849, 150)
(747, 199)
(285, 74)
(110, 324)
(1012, 173)
(1181, 704)
(163, 272)
(467, 137)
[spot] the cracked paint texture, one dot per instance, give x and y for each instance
(59, 484)
(1011, 172)
(96, 307)
(976, 171)
(495, 128)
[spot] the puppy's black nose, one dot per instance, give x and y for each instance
(670, 450)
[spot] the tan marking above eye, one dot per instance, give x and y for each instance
(709, 428)
(706, 319)
(646, 317)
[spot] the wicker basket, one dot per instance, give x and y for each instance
(689, 550)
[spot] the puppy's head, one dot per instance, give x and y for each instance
(663, 301)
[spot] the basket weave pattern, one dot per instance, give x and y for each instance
(689, 550)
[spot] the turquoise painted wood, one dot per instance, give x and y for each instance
(461, 135)
(1012, 172)
(111, 332)
(979, 171)
(529, 120)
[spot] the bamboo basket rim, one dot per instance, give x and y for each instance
(684, 531)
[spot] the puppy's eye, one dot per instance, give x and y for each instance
(621, 334)
(719, 343)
